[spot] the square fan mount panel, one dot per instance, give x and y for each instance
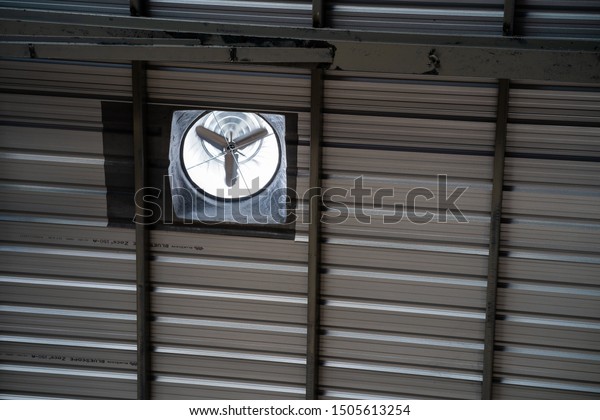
(228, 166)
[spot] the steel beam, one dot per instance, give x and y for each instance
(194, 53)
(314, 238)
(508, 27)
(494, 244)
(141, 231)
(318, 13)
(35, 23)
(563, 60)
(314, 230)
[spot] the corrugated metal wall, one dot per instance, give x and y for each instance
(548, 333)
(403, 304)
(445, 16)
(109, 7)
(266, 12)
(231, 318)
(560, 18)
(229, 311)
(67, 305)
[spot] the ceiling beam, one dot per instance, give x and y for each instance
(562, 60)
(189, 53)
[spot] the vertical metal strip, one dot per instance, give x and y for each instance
(494, 246)
(138, 7)
(496, 217)
(318, 13)
(141, 232)
(142, 237)
(314, 230)
(314, 238)
(508, 27)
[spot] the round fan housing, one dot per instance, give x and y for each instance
(230, 155)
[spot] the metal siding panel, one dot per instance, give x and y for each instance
(230, 312)
(65, 383)
(548, 332)
(521, 392)
(68, 295)
(579, 105)
(110, 7)
(225, 295)
(441, 16)
(75, 78)
(404, 303)
(269, 12)
(560, 18)
(186, 388)
(381, 380)
(51, 138)
(65, 308)
(252, 87)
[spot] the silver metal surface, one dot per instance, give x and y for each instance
(404, 303)
(451, 17)
(562, 18)
(269, 12)
(111, 7)
(548, 302)
(67, 293)
(230, 311)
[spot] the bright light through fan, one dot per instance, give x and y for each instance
(231, 155)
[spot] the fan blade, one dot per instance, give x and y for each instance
(249, 138)
(211, 137)
(231, 169)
